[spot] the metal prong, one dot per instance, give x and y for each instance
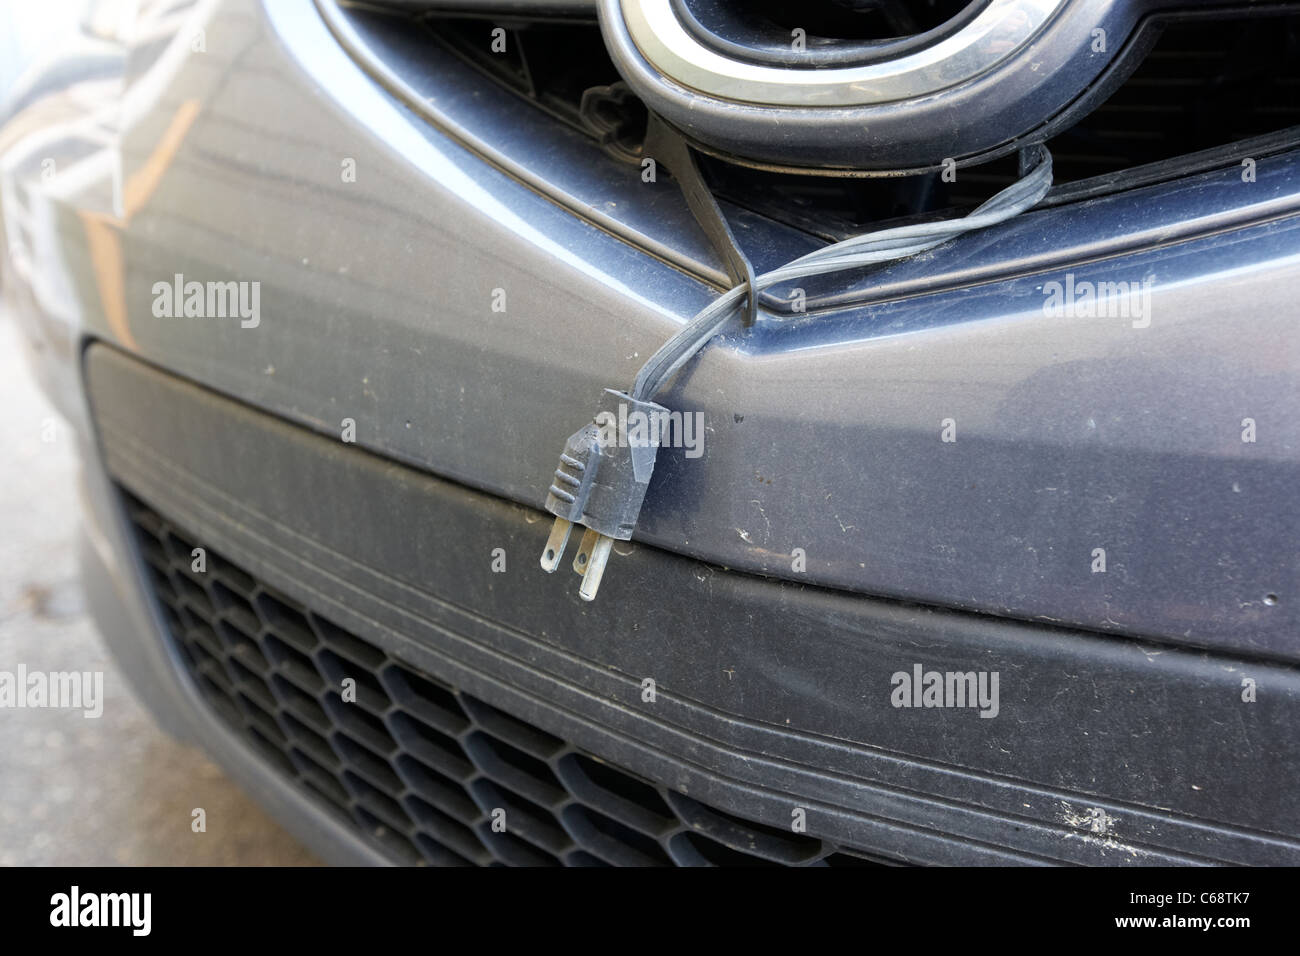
(582, 559)
(595, 568)
(555, 544)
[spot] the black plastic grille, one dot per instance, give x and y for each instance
(1206, 84)
(418, 766)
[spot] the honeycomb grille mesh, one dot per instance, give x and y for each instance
(419, 767)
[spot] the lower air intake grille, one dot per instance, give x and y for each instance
(422, 768)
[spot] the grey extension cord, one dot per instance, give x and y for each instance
(603, 473)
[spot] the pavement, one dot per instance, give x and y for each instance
(77, 791)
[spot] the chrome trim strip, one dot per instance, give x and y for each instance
(997, 33)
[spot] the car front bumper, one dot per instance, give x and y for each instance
(823, 434)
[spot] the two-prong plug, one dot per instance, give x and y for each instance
(601, 482)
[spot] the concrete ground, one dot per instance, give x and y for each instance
(77, 791)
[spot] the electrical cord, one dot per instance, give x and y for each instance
(873, 247)
(606, 465)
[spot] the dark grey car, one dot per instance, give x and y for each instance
(976, 551)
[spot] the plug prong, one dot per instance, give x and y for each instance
(555, 544)
(595, 567)
(582, 560)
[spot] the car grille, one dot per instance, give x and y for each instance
(427, 772)
(1206, 84)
